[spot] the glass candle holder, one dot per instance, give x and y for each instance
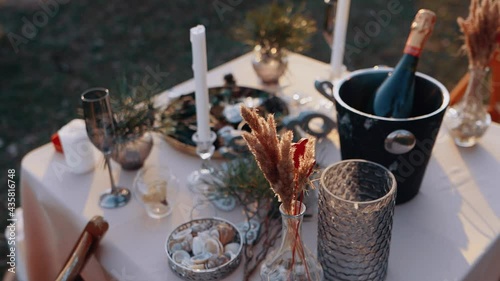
(198, 180)
(156, 189)
(356, 206)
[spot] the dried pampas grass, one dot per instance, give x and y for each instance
(481, 29)
(285, 165)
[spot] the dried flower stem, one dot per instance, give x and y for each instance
(285, 165)
(480, 29)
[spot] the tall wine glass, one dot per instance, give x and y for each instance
(101, 131)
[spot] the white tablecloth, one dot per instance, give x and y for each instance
(450, 231)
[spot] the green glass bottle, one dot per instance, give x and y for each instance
(394, 97)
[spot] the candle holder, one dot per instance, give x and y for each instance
(205, 149)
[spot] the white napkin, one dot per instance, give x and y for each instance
(79, 152)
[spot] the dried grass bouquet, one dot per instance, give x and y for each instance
(285, 165)
(481, 29)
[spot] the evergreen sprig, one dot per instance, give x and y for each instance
(243, 179)
(135, 112)
(277, 26)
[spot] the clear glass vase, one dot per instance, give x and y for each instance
(292, 261)
(468, 119)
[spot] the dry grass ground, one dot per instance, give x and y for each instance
(84, 43)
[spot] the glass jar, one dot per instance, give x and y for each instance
(292, 260)
(468, 119)
(269, 64)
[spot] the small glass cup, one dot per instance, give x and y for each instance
(356, 206)
(156, 189)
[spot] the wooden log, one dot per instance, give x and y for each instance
(85, 246)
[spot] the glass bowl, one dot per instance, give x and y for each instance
(156, 189)
(204, 249)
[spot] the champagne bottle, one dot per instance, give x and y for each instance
(394, 97)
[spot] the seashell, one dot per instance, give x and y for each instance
(226, 233)
(204, 234)
(202, 258)
(175, 246)
(186, 246)
(254, 224)
(223, 225)
(180, 255)
(216, 261)
(198, 245)
(213, 246)
(214, 233)
(212, 262)
(250, 237)
(222, 259)
(197, 266)
(189, 238)
(232, 249)
(245, 226)
(199, 227)
(180, 235)
(226, 203)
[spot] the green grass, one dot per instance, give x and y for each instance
(93, 43)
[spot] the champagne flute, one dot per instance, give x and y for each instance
(101, 131)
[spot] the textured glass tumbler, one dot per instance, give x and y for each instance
(356, 205)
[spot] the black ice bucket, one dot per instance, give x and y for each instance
(403, 145)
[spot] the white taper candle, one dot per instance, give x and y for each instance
(199, 49)
(338, 45)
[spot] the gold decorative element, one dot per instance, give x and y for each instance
(424, 21)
